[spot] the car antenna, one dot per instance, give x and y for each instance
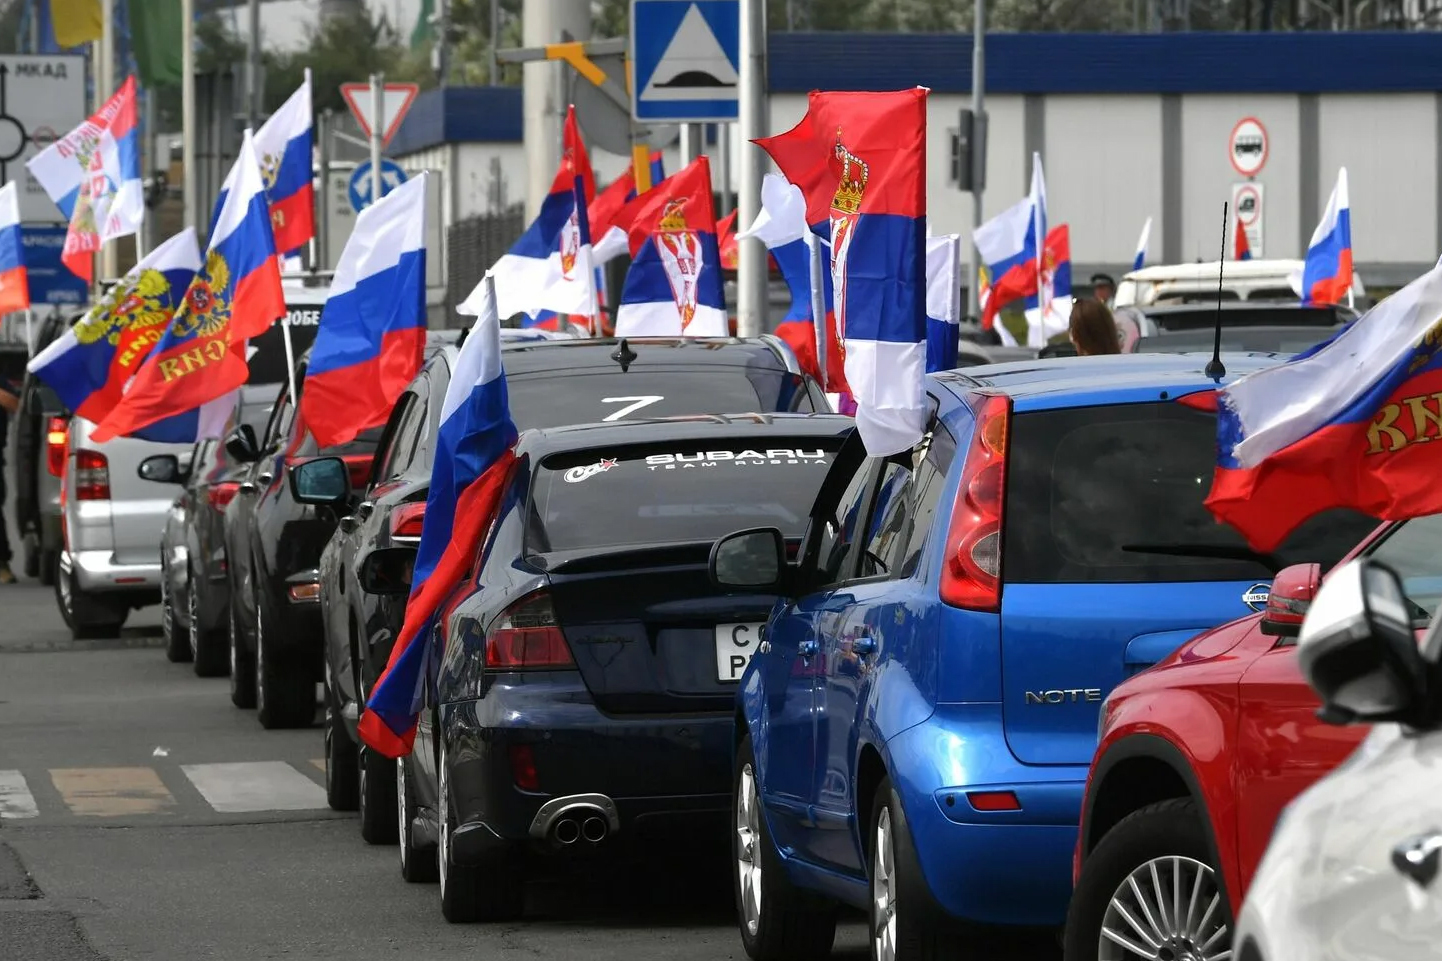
(1215, 369)
(623, 355)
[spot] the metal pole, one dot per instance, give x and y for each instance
(378, 128)
(187, 108)
(103, 92)
(818, 302)
(145, 239)
(723, 167)
(690, 146)
(978, 102)
(323, 226)
(252, 74)
(543, 107)
(752, 122)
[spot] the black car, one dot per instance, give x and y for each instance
(1286, 341)
(551, 384)
(585, 691)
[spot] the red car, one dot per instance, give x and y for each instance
(1196, 759)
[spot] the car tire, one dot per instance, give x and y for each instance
(777, 920)
(31, 564)
(905, 923)
(177, 645)
(49, 567)
(242, 671)
(342, 761)
(491, 891)
(378, 817)
(418, 863)
(88, 616)
(1173, 833)
(284, 690)
(207, 647)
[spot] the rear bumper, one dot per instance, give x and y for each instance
(98, 571)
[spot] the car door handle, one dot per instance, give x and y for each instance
(808, 648)
(363, 510)
(863, 646)
(1418, 858)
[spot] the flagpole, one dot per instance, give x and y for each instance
(818, 304)
(29, 341)
(103, 90)
(187, 111)
(289, 360)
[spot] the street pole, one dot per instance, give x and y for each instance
(978, 158)
(323, 123)
(752, 122)
(723, 167)
(187, 108)
(544, 22)
(690, 143)
(378, 129)
(103, 91)
(253, 85)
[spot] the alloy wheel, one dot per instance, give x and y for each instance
(167, 609)
(883, 891)
(192, 613)
(259, 660)
(444, 816)
(748, 850)
(66, 589)
(403, 824)
(1168, 909)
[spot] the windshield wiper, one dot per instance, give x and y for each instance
(1224, 552)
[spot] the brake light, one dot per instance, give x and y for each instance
(523, 767)
(527, 636)
(972, 576)
(359, 466)
(56, 434)
(92, 476)
(222, 494)
(406, 522)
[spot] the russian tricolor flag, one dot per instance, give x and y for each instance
(14, 287)
(372, 334)
(1355, 423)
(674, 286)
(472, 464)
(235, 295)
(1011, 245)
(284, 147)
(1327, 273)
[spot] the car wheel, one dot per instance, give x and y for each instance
(89, 617)
(378, 817)
(242, 674)
(49, 567)
(177, 646)
(31, 546)
(494, 890)
(1152, 866)
(284, 691)
(207, 648)
(342, 761)
(418, 864)
(906, 924)
(778, 922)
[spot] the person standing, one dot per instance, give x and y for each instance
(9, 404)
(1092, 329)
(1104, 288)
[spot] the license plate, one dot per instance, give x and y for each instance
(734, 646)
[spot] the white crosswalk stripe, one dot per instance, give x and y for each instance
(254, 786)
(16, 801)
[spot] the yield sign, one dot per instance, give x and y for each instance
(395, 101)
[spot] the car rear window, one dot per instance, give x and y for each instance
(674, 493)
(1206, 317)
(1089, 488)
(267, 361)
(1292, 340)
(558, 399)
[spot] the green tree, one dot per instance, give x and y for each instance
(344, 50)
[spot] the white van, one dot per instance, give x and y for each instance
(1241, 280)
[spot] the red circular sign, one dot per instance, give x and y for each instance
(1249, 205)
(1247, 147)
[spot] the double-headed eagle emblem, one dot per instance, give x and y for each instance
(205, 310)
(128, 309)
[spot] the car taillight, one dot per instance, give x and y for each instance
(406, 522)
(56, 434)
(971, 577)
(92, 476)
(221, 494)
(359, 466)
(523, 767)
(527, 636)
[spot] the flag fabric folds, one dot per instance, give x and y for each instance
(860, 161)
(674, 286)
(1011, 244)
(943, 301)
(726, 240)
(93, 175)
(372, 334)
(1327, 272)
(75, 21)
(1350, 424)
(1140, 260)
(155, 32)
(1054, 290)
(609, 239)
(472, 463)
(1241, 246)
(234, 296)
(14, 285)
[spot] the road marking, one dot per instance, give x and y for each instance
(255, 786)
(16, 801)
(112, 791)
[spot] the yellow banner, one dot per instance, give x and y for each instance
(76, 22)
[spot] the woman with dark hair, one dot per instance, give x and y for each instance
(1092, 329)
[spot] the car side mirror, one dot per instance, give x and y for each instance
(162, 469)
(1293, 590)
(242, 445)
(749, 560)
(323, 480)
(387, 572)
(1357, 649)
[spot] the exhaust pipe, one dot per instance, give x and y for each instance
(566, 831)
(595, 829)
(564, 821)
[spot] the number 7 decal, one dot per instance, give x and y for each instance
(632, 404)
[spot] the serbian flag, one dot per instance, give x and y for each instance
(1011, 244)
(472, 464)
(235, 295)
(89, 365)
(1241, 247)
(14, 287)
(1327, 272)
(1048, 310)
(610, 239)
(860, 161)
(93, 175)
(1353, 423)
(372, 334)
(726, 239)
(943, 301)
(674, 287)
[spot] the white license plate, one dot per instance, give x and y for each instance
(734, 645)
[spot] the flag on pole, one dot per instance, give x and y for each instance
(1011, 245)
(610, 240)
(1242, 247)
(1140, 260)
(943, 301)
(155, 32)
(14, 285)
(1327, 272)
(76, 21)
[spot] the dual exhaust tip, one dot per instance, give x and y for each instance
(591, 828)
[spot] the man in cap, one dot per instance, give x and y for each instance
(1104, 288)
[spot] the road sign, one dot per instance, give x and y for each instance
(50, 281)
(606, 124)
(392, 176)
(396, 100)
(340, 216)
(1247, 147)
(1247, 203)
(41, 100)
(685, 55)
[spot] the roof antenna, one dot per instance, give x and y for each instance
(623, 355)
(1215, 369)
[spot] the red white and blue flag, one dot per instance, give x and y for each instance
(1139, 260)
(234, 296)
(943, 301)
(860, 161)
(473, 460)
(1012, 246)
(610, 240)
(1327, 272)
(1353, 423)
(14, 285)
(372, 334)
(674, 286)
(1242, 247)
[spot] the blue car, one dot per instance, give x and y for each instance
(914, 729)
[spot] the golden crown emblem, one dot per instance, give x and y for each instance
(673, 217)
(851, 176)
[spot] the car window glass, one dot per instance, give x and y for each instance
(841, 533)
(385, 451)
(1414, 551)
(279, 423)
(889, 526)
(540, 400)
(408, 434)
(927, 486)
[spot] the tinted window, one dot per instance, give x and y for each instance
(839, 534)
(1414, 551)
(363, 443)
(557, 399)
(1089, 488)
(1265, 339)
(267, 357)
(386, 458)
(1204, 317)
(676, 493)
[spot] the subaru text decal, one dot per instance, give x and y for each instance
(743, 458)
